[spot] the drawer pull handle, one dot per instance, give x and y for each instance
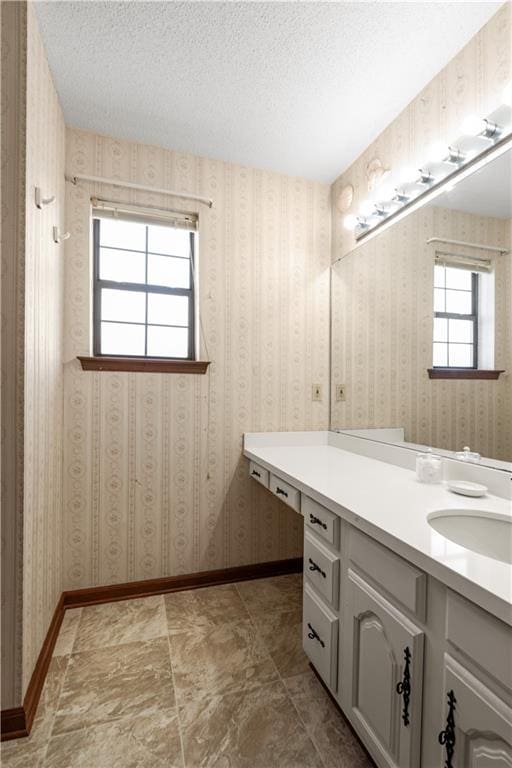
(256, 474)
(403, 688)
(447, 737)
(280, 491)
(316, 521)
(313, 635)
(314, 567)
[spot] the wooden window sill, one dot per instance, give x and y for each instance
(143, 364)
(462, 373)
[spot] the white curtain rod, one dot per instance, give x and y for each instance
(481, 246)
(131, 185)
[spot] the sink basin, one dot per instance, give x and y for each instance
(488, 533)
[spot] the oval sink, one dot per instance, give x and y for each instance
(488, 533)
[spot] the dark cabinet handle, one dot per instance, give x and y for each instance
(256, 474)
(280, 491)
(316, 521)
(447, 737)
(313, 635)
(314, 567)
(403, 688)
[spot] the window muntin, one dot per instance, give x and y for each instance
(455, 342)
(143, 289)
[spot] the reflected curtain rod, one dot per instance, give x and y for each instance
(481, 246)
(131, 185)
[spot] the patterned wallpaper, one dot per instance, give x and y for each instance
(385, 378)
(14, 73)
(44, 297)
(154, 480)
(382, 326)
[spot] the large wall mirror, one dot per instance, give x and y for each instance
(422, 322)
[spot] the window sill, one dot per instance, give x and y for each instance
(462, 373)
(143, 365)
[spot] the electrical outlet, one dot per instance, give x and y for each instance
(316, 393)
(340, 392)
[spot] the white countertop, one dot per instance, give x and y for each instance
(387, 502)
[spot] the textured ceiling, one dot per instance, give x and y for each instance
(297, 87)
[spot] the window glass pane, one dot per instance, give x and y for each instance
(458, 278)
(461, 355)
(440, 329)
(461, 330)
(167, 342)
(458, 302)
(122, 266)
(123, 305)
(123, 234)
(439, 300)
(440, 354)
(122, 339)
(164, 270)
(439, 276)
(175, 242)
(167, 310)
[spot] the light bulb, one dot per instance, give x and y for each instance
(367, 208)
(350, 222)
(437, 152)
(507, 94)
(386, 192)
(473, 126)
(409, 174)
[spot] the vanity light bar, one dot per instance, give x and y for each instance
(443, 162)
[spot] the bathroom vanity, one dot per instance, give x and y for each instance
(410, 632)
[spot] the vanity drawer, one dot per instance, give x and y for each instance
(397, 577)
(320, 520)
(321, 568)
(258, 473)
(320, 637)
(285, 492)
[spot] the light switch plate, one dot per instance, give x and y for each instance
(340, 393)
(316, 394)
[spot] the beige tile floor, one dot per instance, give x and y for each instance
(214, 677)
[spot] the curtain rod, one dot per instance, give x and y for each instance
(482, 246)
(131, 185)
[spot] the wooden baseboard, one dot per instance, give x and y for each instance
(17, 722)
(131, 589)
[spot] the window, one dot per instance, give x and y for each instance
(143, 288)
(455, 317)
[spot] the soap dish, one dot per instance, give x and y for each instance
(466, 488)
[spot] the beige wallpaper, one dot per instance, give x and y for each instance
(44, 296)
(386, 376)
(154, 480)
(14, 73)
(382, 296)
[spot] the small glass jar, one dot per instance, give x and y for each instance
(429, 467)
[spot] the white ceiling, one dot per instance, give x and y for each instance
(487, 192)
(297, 87)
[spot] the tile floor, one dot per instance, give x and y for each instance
(210, 677)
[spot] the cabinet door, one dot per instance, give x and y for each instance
(383, 677)
(477, 728)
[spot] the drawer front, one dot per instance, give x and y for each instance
(322, 569)
(285, 492)
(319, 519)
(483, 638)
(258, 473)
(320, 637)
(401, 580)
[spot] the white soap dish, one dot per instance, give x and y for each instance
(466, 488)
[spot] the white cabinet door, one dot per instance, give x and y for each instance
(477, 726)
(382, 676)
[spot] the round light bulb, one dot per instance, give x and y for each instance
(473, 126)
(437, 152)
(507, 94)
(409, 174)
(350, 222)
(386, 192)
(367, 208)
